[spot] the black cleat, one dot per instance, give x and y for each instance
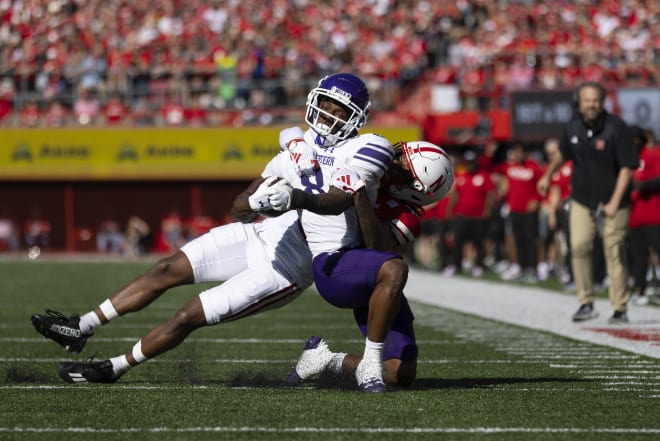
(90, 372)
(61, 329)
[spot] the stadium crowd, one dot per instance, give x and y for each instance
(174, 62)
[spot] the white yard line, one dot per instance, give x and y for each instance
(535, 308)
(402, 430)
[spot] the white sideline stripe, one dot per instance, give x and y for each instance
(530, 307)
(614, 430)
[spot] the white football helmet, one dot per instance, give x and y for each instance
(349, 91)
(432, 170)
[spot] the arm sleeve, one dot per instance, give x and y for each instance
(333, 202)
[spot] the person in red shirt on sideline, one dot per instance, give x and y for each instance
(437, 224)
(644, 224)
(557, 199)
(470, 204)
(523, 200)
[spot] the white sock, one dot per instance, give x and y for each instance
(120, 365)
(337, 362)
(108, 310)
(373, 351)
(89, 322)
(138, 356)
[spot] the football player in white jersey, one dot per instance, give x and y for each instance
(263, 265)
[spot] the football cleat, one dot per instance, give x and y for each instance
(89, 372)
(369, 376)
(314, 359)
(61, 329)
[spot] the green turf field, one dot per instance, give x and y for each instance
(477, 379)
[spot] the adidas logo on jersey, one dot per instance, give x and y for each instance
(346, 179)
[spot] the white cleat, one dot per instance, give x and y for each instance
(314, 359)
(369, 376)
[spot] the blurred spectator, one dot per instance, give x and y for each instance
(86, 107)
(644, 232)
(109, 238)
(56, 115)
(523, 202)
(196, 115)
(10, 236)
(172, 113)
(436, 230)
(172, 232)
(557, 213)
(470, 204)
(199, 225)
(137, 237)
(114, 111)
(7, 92)
(30, 115)
(36, 229)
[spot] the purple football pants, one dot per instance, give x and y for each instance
(347, 278)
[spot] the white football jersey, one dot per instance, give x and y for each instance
(369, 155)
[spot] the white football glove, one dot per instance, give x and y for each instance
(347, 180)
(279, 195)
(259, 199)
(302, 155)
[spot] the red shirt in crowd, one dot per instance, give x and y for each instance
(521, 196)
(645, 207)
(115, 111)
(472, 190)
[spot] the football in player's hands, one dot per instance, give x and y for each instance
(346, 180)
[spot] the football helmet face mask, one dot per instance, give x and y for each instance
(344, 89)
(431, 169)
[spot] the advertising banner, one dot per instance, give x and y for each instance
(151, 154)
